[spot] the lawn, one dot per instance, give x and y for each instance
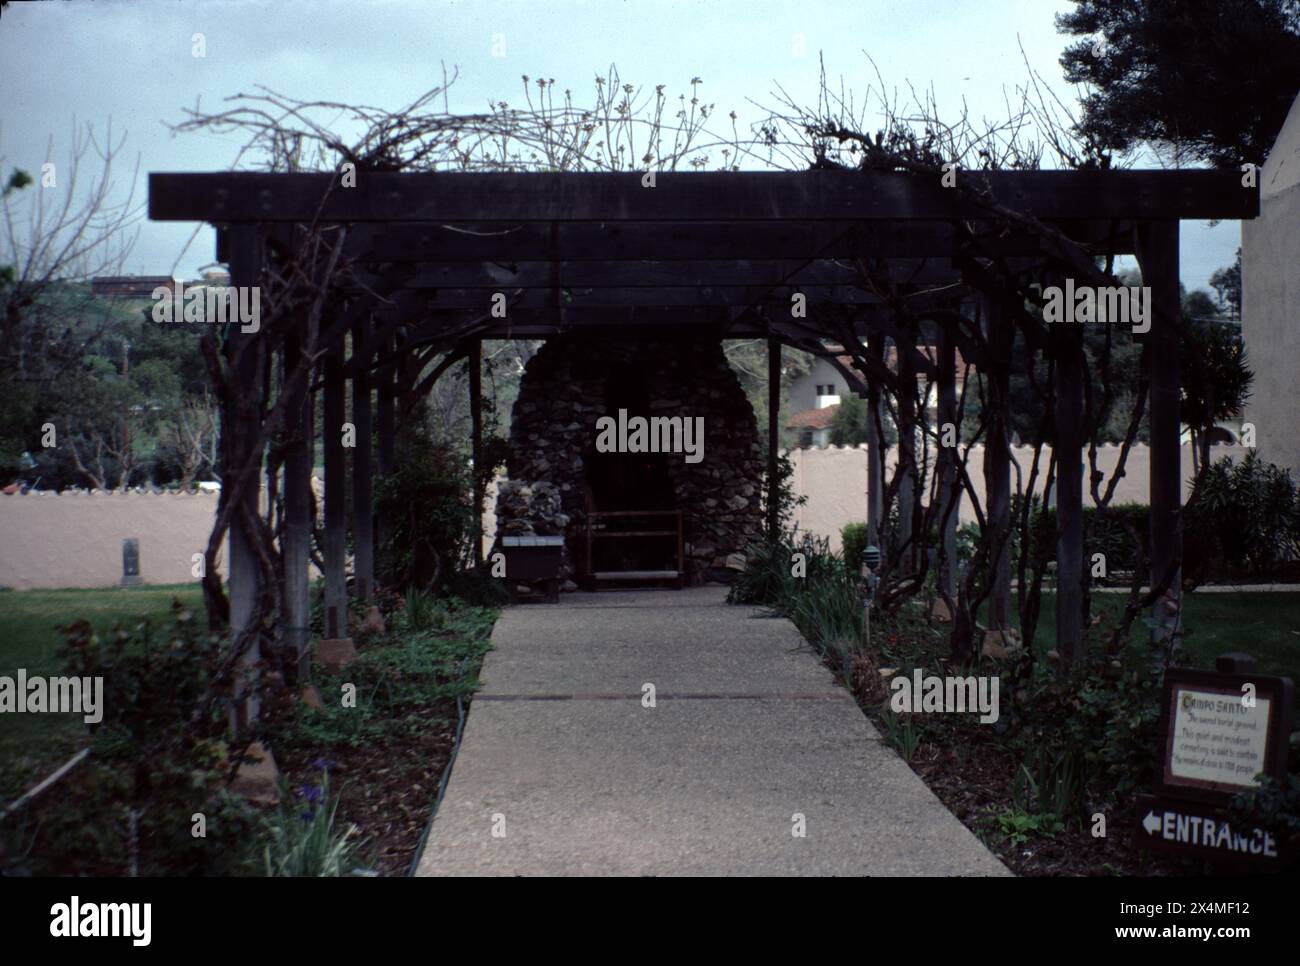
(1264, 625)
(29, 639)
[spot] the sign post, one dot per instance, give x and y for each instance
(1220, 731)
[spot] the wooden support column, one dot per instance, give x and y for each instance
(336, 524)
(363, 504)
(239, 430)
(1158, 257)
(296, 543)
(946, 462)
(1067, 339)
(875, 452)
(386, 450)
(997, 463)
(773, 435)
(475, 363)
(906, 446)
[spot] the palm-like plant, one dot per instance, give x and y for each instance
(1216, 383)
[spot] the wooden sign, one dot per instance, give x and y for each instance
(1194, 828)
(1222, 730)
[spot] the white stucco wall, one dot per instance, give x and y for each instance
(835, 480)
(1270, 307)
(803, 390)
(75, 539)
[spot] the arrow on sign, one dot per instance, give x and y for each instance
(1151, 823)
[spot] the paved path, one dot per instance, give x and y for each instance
(748, 729)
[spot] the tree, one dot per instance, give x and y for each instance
(1226, 283)
(850, 426)
(1209, 80)
(64, 226)
(1215, 382)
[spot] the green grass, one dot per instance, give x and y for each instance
(29, 639)
(1264, 625)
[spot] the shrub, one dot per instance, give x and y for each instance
(824, 602)
(427, 500)
(1275, 806)
(1244, 518)
(159, 756)
(853, 540)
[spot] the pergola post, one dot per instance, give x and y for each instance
(296, 543)
(386, 450)
(336, 536)
(773, 435)
(907, 469)
(997, 463)
(475, 362)
(363, 511)
(239, 429)
(1158, 257)
(875, 451)
(946, 467)
(1067, 339)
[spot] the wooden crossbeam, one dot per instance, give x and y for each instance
(495, 276)
(777, 298)
(740, 196)
(685, 241)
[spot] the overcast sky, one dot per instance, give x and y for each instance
(132, 62)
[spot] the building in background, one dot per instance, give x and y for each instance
(1270, 299)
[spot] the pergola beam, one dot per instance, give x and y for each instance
(704, 196)
(569, 242)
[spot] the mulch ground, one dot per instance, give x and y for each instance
(388, 788)
(978, 787)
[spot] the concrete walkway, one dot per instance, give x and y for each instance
(748, 730)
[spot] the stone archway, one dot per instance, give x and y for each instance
(570, 383)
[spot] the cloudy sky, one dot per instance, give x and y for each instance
(132, 63)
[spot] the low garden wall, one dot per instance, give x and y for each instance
(834, 479)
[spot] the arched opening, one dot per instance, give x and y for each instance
(629, 483)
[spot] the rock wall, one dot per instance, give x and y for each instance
(564, 392)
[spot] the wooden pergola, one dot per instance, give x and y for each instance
(448, 259)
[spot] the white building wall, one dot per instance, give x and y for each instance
(1270, 309)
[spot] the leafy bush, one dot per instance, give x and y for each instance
(783, 494)
(853, 540)
(427, 499)
(1106, 535)
(798, 577)
(1018, 825)
(159, 756)
(1244, 518)
(1275, 806)
(1106, 711)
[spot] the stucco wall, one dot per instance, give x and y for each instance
(1270, 305)
(835, 480)
(75, 539)
(803, 390)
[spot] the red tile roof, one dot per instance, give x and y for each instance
(813, 418)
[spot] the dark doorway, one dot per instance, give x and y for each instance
(630, 482)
